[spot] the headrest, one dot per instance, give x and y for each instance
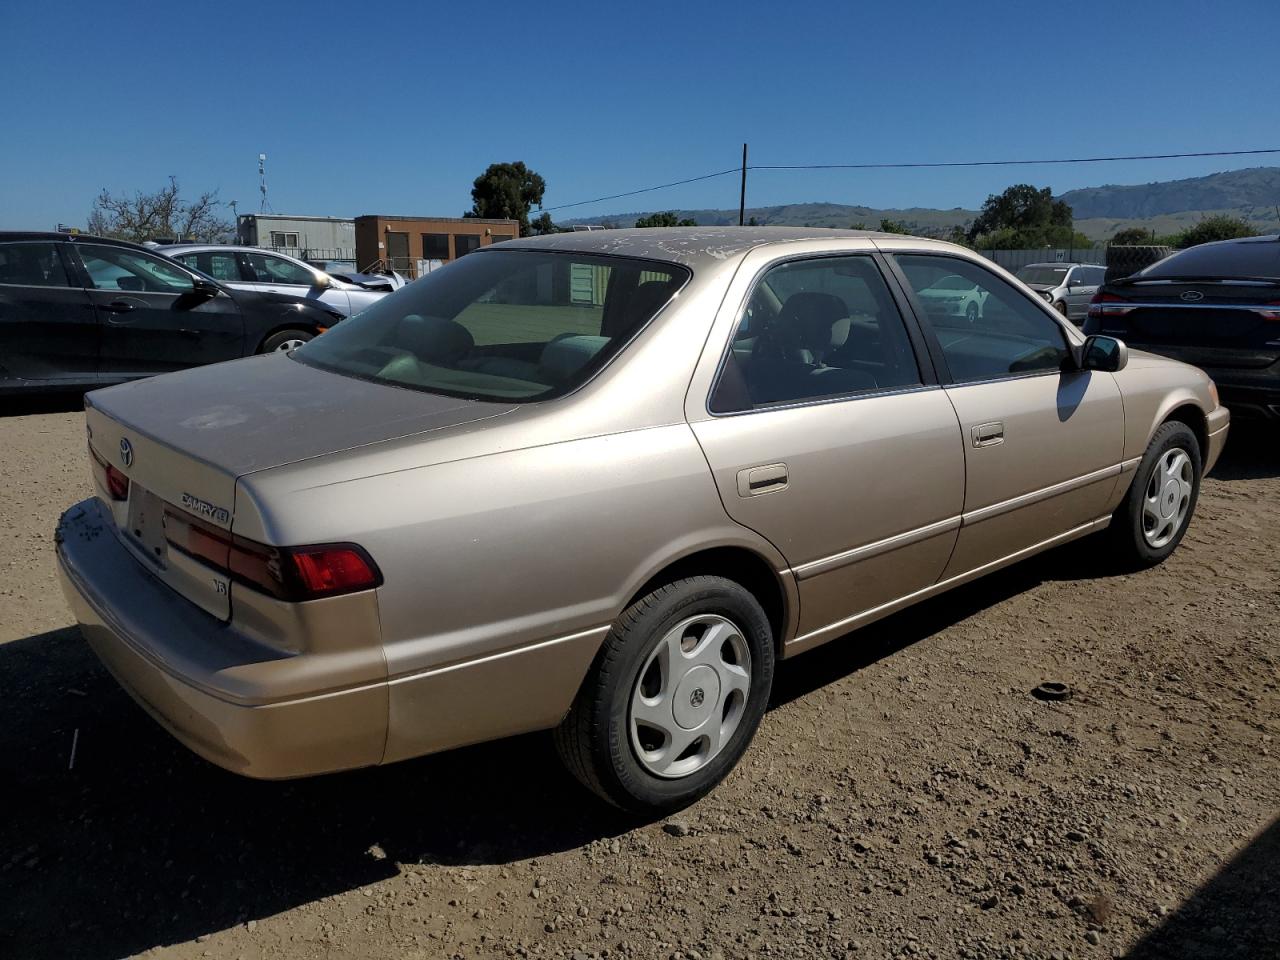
(565, 356)
(434, 339)
(821, 320)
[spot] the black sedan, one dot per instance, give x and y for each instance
(78, 312)
(1217, 306)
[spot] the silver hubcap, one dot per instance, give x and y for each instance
(690, 696)
(290, 345)
(1167, 498)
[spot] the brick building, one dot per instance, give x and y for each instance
(413, 245)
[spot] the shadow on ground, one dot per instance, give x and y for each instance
(22, 406)
(1252, 452)
(1237, 913)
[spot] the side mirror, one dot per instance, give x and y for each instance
(204, 288)
(324, 281)
(1104, 353)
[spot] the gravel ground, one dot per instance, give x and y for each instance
(905, 797)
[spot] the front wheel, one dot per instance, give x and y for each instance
(674, 696)
(1155, 513)
(285, 341)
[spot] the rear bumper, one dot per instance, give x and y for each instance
(206, 684)
(1249, 399)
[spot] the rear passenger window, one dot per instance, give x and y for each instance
(812, 330)
(31, 265)
(985, 327)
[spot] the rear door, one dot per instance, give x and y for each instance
(48, 328)
(274, 274)
(151, 318)
(827, 435)
(1042, 441)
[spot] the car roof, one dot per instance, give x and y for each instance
(1047, 263)
(691, 246)
(10, 236)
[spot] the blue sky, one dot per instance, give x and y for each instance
(386, 108)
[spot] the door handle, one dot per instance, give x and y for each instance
(118, 306)
(988, 434)
(768, 478)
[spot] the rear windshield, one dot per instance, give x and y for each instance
(507, 325)
(1049, 275)
(1253, 258)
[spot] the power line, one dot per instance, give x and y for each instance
(632, 193)
(910, 166)
(1005, 163)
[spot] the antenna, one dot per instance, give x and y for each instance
(264, 206)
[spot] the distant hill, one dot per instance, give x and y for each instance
(1254, 190)
(1164, 207)
(839, 215)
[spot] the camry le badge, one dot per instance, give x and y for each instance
(126, 452)
(1191, 296)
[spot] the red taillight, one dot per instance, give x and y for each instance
(1109, 305)
(287, 573)
(117, 483)
(343, 568)
(1269, 310)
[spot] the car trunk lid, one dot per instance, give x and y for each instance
(183, 440)
(1226, 323)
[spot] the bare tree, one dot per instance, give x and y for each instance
(147, 216)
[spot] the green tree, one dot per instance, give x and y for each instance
(543, 225)
(1025, 216)
(163, 214)
(1219, 227)
(507, 191)
(893, 226)
(753, 222)
(666, 219)
(1132, 236)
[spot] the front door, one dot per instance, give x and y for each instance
(48, 329)
(151, 319)
(827, 436)
(1043, 441)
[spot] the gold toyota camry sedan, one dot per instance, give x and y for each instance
(600, 483)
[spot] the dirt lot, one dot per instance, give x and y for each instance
(905, 795)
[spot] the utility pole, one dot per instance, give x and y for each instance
(742, 196)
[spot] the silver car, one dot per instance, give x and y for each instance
(1067, 287)
(600, 482)
(253, 268)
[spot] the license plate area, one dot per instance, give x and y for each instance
(144, 528)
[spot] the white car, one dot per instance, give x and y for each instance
(953, 296)
(253, 268)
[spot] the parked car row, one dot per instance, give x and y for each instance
(252, 268)
(497, 501)
(78, 312)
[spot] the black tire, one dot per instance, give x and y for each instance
(595, 739)
(278, 339)
(1122, 261)
(1061, 307)
(1128, 526)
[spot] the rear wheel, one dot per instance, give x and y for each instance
(285, 340)
(1157, 510)
(674, 696)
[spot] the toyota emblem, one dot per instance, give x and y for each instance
(1191, 296)
(126, 452)
(696, 698)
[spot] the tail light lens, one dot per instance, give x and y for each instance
(286, 573)
(117, 483)
(1269, 310)
(1109, 305)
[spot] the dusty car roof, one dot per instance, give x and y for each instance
(691, 246)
